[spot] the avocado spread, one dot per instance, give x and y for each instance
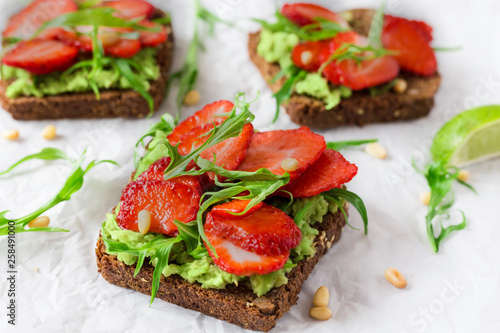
(26, 84)
(205, 272)
(277, 47)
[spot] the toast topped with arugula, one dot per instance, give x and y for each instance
(225, 220)
(93, 60)
(353, 68)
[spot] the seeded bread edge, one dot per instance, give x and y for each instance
(361, 108)
(113, 103)
(235, 304)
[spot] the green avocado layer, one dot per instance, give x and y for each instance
(27, 84)
(205, 272)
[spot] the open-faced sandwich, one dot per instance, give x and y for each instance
(352, 68)
(225, 220)
(94, 59)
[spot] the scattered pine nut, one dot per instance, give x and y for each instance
(464, 175)
(49, 132)
(144, 221)
(11, 135)
(39, 222)
(400, 86)
(321, 313)
(321, 297)
(108, 38)
(192, 98)
(306, 57)
(35, 269)
(375, 149)
(425, 198)
(289, 164)
(395, 277)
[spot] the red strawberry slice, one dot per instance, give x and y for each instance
(330, 170)
(228, 209)
(229, 153)
(307, 13)
(205, 115)
(414, 52)
(311, 55)
(152, 39)
(235, 260)
(166, 201)
(421, 27)
(269, 149)
(156, 171)
(124, 48)
(331, 71)
(131, 9)
(266, 231)
(41, 56)
(27, 21)
(367, 73)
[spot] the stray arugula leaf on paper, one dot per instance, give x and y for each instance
(72, 184)
(338, 145)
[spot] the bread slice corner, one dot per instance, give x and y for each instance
(361, 108)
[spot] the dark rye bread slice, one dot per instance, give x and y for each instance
(113, 102)
(361, 108)
(237, 305)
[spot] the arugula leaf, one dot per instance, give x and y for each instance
(338, 145)
(73, 183)
(375, 33)
(88, 3)
(341, 193)
(382, 89)
(47, 154)
(295, 75)
(210, 19)
(440, 178)
(160, 246)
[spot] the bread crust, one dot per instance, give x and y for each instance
(361, 108)
(237, 305)
(113, 102)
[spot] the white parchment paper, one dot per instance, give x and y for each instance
(456, 290)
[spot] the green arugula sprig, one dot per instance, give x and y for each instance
(338, 145)
(295, 74)
(73, 183)
(440, 177)
(336, 194)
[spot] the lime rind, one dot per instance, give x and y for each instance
(469, 137)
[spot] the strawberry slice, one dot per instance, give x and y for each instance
(166, 201)
(131, 9)
(228, 209)
(27, 21)
(330, 170)
(331, 71)
(367, 73)
(235, 260)
(269, 149)
(414, 52)
(267, 231)
(229, 153)
(41, 56)
(205, 115)
(311, 55)
(307, 13)
(421, 27)
(124, 48)
(156, 171)
(152, 39)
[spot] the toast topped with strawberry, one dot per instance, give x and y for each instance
(232, 221)
(353, 68)
(99, 59)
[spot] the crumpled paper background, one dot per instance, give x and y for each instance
(456, 290)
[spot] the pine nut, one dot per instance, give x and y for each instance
(306, 57)
(35, 269)
(289, 164)
(39, 222)
(108, 38)
(395, 277)
(321, 313)
(464, 175)
(425, 198)
(192, 98)
(11, 135)
(49, 132)
(375, 149)
(321, 297)
(400, 86)
(144, 221)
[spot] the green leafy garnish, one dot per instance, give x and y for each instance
(376, 27)
(73, 183)
(211, 20)
(440, 177)
(336, 194)
(295, 74)
(338, 145)
(382, 89)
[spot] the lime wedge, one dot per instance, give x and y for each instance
(469, 137)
